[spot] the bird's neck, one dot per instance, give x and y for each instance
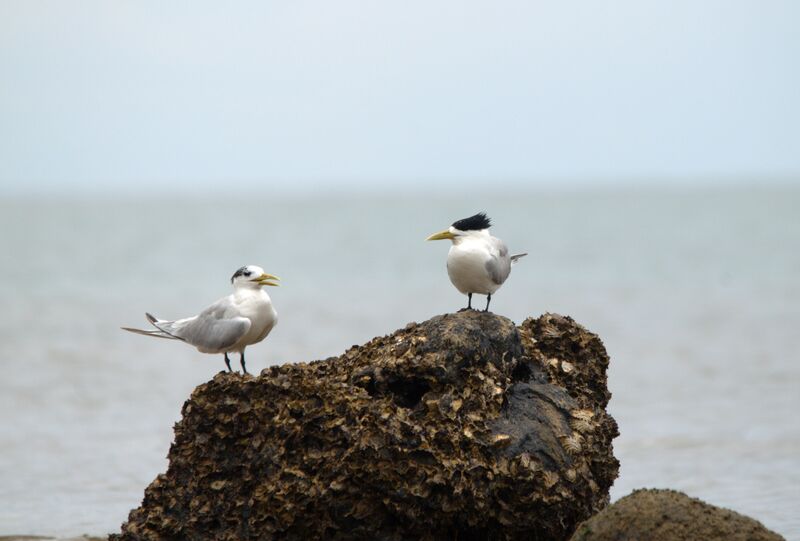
(249, 291)
(472, 236)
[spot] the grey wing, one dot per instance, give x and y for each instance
(499, 265)
(210, 334)
(211, 331)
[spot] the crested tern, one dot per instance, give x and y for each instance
(477, 261)
(232, 323)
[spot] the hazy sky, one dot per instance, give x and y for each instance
(300, 95)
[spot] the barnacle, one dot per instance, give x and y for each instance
(585, 415)
(550, 478)
(501, 439)
(551, 331)
(579, 425)
(573, 443)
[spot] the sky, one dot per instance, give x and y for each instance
(301, 96)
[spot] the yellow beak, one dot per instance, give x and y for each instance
(264, 280)
(441, 235)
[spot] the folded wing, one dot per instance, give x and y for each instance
(213, 331)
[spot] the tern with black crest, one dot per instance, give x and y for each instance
(243, 318)
(477, 261)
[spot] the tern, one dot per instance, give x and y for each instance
(231, 324)
(477, 261)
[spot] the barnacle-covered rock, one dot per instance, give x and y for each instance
(456, 428)
(668, 515)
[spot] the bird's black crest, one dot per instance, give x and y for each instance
(240, 272)
(473, 223)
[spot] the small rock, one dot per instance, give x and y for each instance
(668, 515)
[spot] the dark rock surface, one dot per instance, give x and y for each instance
(461, 427)
(668, 515)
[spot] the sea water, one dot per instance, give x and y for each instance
(695, 293)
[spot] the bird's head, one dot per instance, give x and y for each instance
(478, 224)
(253, 276)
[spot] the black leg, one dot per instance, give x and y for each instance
(228, 362)
(469, 302)
(488, 300)
(241, 360)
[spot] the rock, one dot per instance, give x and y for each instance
(462, 427)
(668, 515)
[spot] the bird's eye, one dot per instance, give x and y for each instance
(247, 273)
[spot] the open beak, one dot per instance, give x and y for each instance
(446, 234)
(264, 280)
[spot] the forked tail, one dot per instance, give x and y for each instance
(158, 333)
(517, 257)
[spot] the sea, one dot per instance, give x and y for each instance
(695, 292)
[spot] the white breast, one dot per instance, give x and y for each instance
(466, 266)
(257, 307)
